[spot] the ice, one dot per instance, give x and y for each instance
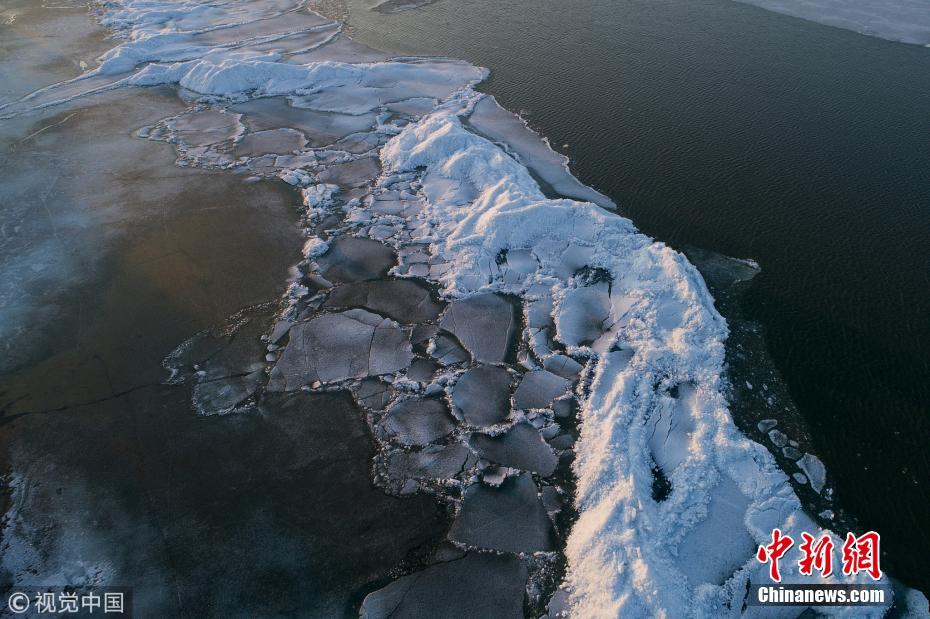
(509, 518)
(223, 395)
(583, 315)
(906, 21)
(538, 389)
(520, 447)
(352, 173)
(396, 6)
(485, 325)
(418, 421)
(657, 321)
(340, 48)
(499, 125)
(337, 347)
(422, 371)
(477, 585)
(766, 424)
(778, 438)
(491, 234)
(447, 351)
(704, 562)
(223, 362)
(272, 141)
(431, 462)
(205, 127)
(564, 366)
(373, 393)
(351, 259)
(406, 300)
(671, 426)
(482, 396)
(815, 470)
(321, 128)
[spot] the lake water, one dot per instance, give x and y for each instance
(804, 147)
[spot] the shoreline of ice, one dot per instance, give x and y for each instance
(594, 287)
(904, 21)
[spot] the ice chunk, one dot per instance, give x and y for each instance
(373, 393)
(538, 389)
(272, 141)
(353, 173)
(485, 324)
(447, 351)
(418, 421)
(482, 396)
(815, 470)
(766, 424)
(564, 366)
(205, 127)
(352, 259)
(320, 128)
(222, 395)
(521, 447)
(477, 585)
(431, 462)
(405, 300)
(422, 371)
(336, 347)
(396, 6)
(510, 518)
(778, 438)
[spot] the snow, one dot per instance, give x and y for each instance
(907, 21)
(628, 555)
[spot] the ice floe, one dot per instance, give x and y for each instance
(907, 21)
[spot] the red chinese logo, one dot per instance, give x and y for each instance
(773, 552)
(860, 554)
(817, 555)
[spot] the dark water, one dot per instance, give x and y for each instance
(755, 135)
(107, 474)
